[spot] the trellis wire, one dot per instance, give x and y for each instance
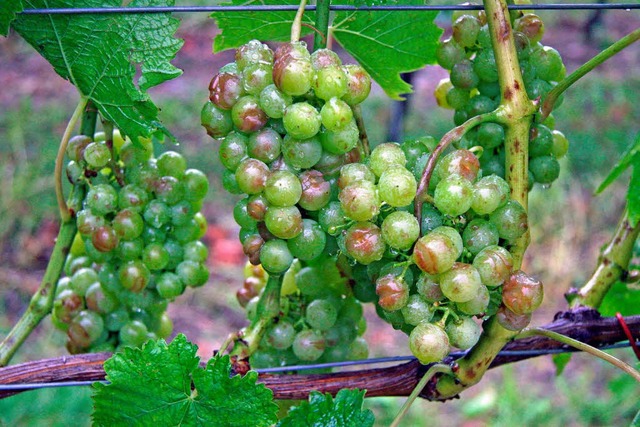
(379, 360)
(285, 8)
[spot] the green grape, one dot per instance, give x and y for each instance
(560, 144)
(435, 253)
(97, 155)
(247, 116)
(549, 66)
(358, 84)
(449, 53)
(155, 256)
(216, 121)
(301, 154)
(397, 187)
(512, 321)
(332, 218)
(128, 250)
(310, 243)
(336, 114)
(461, 283)
(400, 230)
(102, 199)
(308, 345)
(169, 190)
(66, 305)
(225, 88)
(284, 222)
(429, 343)
(322, 58)
(301, 120)
(465, 30)
(510, 220)
(132, 197)
(264, 145)
(463, 333)
(282, 189)
(358, 349)
(76, 146)
(85, 328)
(251, 176)
(540, 141)
(316, 192)
(232, 150)
(478, 234)
(133, 333)
(545, 169)
(321, 314)
(134, 275)
(463, 75)
(485, 66)
(193, 274)
(82, 279)
(384, 156)
(531, 26)
(459, 162)
(364, 243)
(359, 201)
(490, 135)
(128, 224)
(392, 291)
(476, 306)
(417, 310)
(489, 193)
(241, 214)
(273, 101)
(256, 77)
(453, 195)
(100, 301)
(330, 82)
(196, 251)
(172, 164)
(275, 256)
(428, 288)
(457, 97)
(104, 238)
(494, 264)
(281, 335)
(340, 141)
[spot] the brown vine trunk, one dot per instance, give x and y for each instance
(583, 324)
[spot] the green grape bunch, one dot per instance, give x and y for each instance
(137, 246)
(472, 89)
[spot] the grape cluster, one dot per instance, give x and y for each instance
(472, 89)
(431, 286)
(137, 245)
(285, 124)
(320, 320)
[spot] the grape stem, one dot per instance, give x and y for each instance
(363, 138)
(296, 26)
(453, 135)
(554, 94)
(267, 310)
(529, 332)
(431, 372)
(65, 215)
(322, 24)
(612, 264)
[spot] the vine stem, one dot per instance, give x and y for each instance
(65, 215)
(552, 96)
(42, 301)
(296, 26)
(452, 136)
(613, 262)
(431, 372)
(582, 347)
(322, 24)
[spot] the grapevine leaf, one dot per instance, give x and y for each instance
(622, 298)
(8, 11)
(98, 53)
(162, 384)
(323, 410)
(237, 28)
(625, 161)
(561, 360)
(387, 43)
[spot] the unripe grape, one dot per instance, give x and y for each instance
(301, 154)
(478, 234)
(400, 230)
(257, 207)
(301, 120)
(457, 98)
(97, 155)
(66, 305)
(251, 176)
(360, 201)
(275, 256)
(330, 82)
(494, 264)
(225, 89)
(428, 288)
(342, 140)
(540, 141)
(392, 291)
(283, 222)
(397, 187)
(216, 121)
(521, 293)
(281, 335)
(485, 66)
(331, 217)
(104, 238)
(128, 224)
(102, 199)
(134, 275)
(545, 169)
(85, 328)
(453, 195)
(132, 197)
(247, 115)
(531, 26)
(510, 220)
(463, 75)
(465, 30)
(463, 333)
(386, 155)
(76, 147)
(273, 101)
(321, 314)
(133, 333)
(264, 145)
(435, 253)
(490, 135)
(449, 53)
(459, 162)
(310, 243)
(364, 243)
(192, 274)
(417, 310)
(476, 306)
(282, 189)
(308, 345)
(358, 84)
(461, 283)
(441, 91)
(336, 114)
(489, 193)
(512, 321)
(316, 192)
(429, 343)
(322, 58)
(256, 77)
(253, 52)
(354, 172)
(560, 144)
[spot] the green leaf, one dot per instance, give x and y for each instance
(625, 161)
(322, 410)
(561, 360)
(8, 11)
(388, 43)
(622, 298)
(238, 28)
(162, 384)
(98, 54)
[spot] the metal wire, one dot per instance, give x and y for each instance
(379, 360)
(281, 8)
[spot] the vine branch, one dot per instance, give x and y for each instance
(583, 324)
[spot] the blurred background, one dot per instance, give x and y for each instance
(600, 116)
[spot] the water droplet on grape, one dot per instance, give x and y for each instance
(546, 186)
